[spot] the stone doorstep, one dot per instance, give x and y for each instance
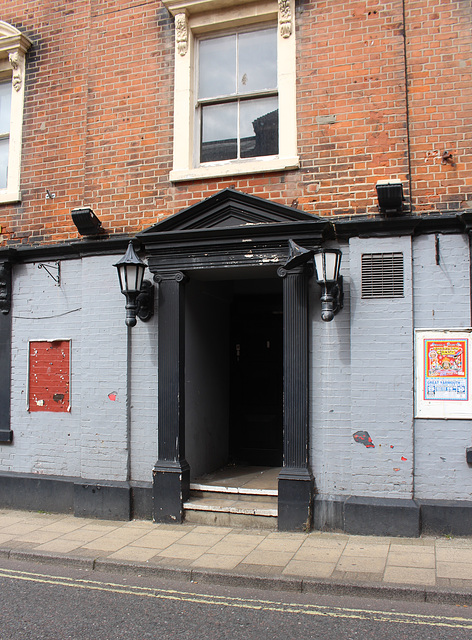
(234, 520)
(245, 491)
(232, 506)
(222, 505)
(227, 497)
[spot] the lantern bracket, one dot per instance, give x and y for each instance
(145, 301)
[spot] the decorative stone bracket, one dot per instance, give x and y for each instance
(181, 33)
(285, 18)
(17, 77)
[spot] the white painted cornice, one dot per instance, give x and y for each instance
(191, 7)
(12, 40)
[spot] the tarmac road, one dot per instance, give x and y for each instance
(55, 603)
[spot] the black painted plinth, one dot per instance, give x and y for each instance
(446, 517)
(6, 436)
(382, 517)
(328, 515)
(141, 500)
(170, 489)
(36, 492)
(105, 500)
(295, 502)
(87, 498)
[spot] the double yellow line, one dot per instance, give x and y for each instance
(242, 603)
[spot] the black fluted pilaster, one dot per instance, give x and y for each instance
(295, 480)
(6, 434)
(171, 473)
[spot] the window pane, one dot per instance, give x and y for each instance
(4, 146)
(217, 67)
(257, 61)
(5, 105)
(219, 132)
(259, 127)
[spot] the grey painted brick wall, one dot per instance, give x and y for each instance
(143, 398)
(104, 448)
(382, 379)
(330, 392)
(46, 443)
(91, 441)
(361, 378)
(442, 301)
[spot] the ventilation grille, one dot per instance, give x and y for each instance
(382, 275)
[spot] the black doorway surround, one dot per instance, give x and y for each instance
(229, 234)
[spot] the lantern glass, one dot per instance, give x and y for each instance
(327, 264)
(122, 277)
(130, 271)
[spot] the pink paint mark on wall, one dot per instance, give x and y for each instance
(112, 396)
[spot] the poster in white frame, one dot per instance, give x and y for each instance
(442, 377)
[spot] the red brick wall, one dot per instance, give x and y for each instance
(439, 46)
(98, 115)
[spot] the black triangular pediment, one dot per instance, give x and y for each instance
(230, 209)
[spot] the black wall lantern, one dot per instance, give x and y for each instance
(327, 265)
(139, 293)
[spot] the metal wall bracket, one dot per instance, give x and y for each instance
(50, 269)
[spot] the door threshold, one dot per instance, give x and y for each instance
(233, 490)
(241, 508)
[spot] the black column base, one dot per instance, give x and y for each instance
(295, 503)
(170, 489)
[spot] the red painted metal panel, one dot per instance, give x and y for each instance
(49, 375)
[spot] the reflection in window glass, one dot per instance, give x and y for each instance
(258, 130)
(219, 132)
(5, 108)
(259, 127)
(5, 105)
(217, 68)
(4, 148)
(257, 61)
(237, 90)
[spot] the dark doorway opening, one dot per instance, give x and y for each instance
(233, 374)
(256, 379)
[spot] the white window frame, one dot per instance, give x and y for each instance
(194, 18)
(13, 48)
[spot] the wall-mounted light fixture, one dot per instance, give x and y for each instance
(86, 221)
(327, 264)
(390, 196)
(139, 292)
(297, 255)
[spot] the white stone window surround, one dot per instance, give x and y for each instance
(13, 48)
(194, 18)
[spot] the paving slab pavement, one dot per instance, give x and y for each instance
(434, 569)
